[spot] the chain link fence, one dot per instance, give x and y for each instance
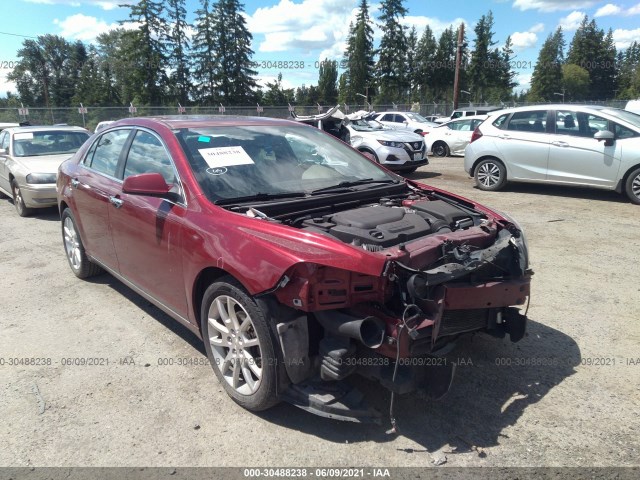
(90, 116)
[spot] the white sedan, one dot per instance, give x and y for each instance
(452, 137)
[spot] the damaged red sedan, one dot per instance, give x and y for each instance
(297, 260)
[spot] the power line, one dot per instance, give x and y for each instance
(17, 35)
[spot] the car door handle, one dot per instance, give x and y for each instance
(560, 144)
(75, 183)
(504, 137)
(116, 202)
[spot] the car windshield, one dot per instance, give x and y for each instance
(48, 142)
(416, 117)
(630, 117)
(243, 161)
(362, 125)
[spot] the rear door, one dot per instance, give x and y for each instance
(147, 231)
(524, 144)
(578, 158)
(95, 185)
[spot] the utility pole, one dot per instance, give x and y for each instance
(456, 82)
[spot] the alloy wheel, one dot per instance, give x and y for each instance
(235, 344)
(635, 186)
(72, 244)
(489, 174)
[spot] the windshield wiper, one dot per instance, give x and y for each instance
(260, 196)
(345, 186)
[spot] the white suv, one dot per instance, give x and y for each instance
(560, 144)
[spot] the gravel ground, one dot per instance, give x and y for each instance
(567, 395)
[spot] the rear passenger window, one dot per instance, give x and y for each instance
(534, 121)
(104, 158)
(148, 155)
(501, 121)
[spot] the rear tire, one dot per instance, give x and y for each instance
(240, 345)
(490, 175)
(440, 149)
(18, 201)
(80, 264)
(632, 186)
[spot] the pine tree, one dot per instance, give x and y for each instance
(327, 82)
(444, 65)
(412, 63)
(178, 50)
(485, 59)
(148, 55)
(547, 74)
(359, 55)
(425, 63)
(232, 46)
(203, 56)
(390, 69)
(591, 50)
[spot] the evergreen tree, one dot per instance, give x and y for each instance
(425, 62)
(147, 54)
(232, 46)
(89, 88)
(547, 74)
(628, 73)
(575, 81)
(412, 63)
(276, 94)
(591, 50)
(444, 67)
(485, 59)
(359, 55)
(327, 82)
(204, 56)
(390, 69)
(178, 50)
(343, 88)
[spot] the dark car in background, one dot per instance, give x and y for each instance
(298, 261)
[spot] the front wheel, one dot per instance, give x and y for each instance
(80, 264)
(240, 345)
(440, 149)
(490, 175)
(18, 201)
(632, 186)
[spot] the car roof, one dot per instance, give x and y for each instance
(488, 108)
(194, 121)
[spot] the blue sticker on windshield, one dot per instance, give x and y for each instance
(204, 139)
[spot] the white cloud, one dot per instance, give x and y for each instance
(524, 81)
(624, 38)
(523, 40)
(635, 10)
(608, 9)
(6, 86)
(83, 27)
(572, 21)
(552, 5)
(303, 27)
(103, 4)
(438, 26)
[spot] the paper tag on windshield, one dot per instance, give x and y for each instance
(23, 136)
(225, 156)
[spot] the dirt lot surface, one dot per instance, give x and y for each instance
(567, 395)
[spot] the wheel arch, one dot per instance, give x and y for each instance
(205, 278)
(625, 177)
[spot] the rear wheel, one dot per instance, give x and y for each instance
(440, 149)
(632, 186)
(80, 264)
(490, 175)
(18, 201)
(240, 345)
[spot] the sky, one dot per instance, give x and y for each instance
(302, 32)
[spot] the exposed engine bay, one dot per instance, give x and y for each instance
(449, 270)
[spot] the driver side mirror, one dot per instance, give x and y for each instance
(149, 184)
(3, 151)
(606, 136)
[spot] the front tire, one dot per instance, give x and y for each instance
(490, 175)
(632, 186)
(240, 345)
(440, 149)
(18, 201)
(80, 264)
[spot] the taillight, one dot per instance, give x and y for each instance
(476, 135)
